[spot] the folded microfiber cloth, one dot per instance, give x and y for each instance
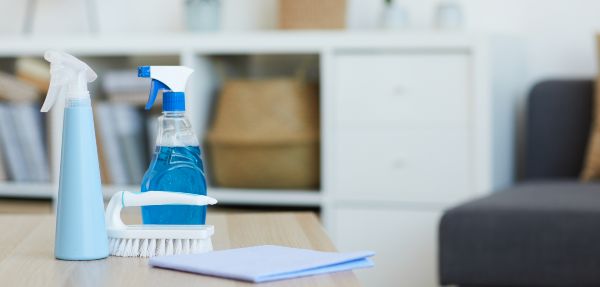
(264, 263)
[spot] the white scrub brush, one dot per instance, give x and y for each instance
(151, 240)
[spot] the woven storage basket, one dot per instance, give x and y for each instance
(266, 135)
(312, 14)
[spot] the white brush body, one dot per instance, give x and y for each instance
(152, 239)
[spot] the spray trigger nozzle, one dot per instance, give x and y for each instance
(169, 79)
(68, 76)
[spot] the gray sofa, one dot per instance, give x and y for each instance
(545, 230)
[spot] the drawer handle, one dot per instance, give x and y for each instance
(398, 163)
(399, 91)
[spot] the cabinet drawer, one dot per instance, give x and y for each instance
(402, 88)
(404, 241)
(426, 165)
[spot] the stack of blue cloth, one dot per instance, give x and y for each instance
(265, 263)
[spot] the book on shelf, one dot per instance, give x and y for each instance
(123, 142)
(15, 90)
(111, 151)
(29, 132)
(130, 133)
(124, 86)
(24, 157)
(22, 144)
(122, 127)
(124, 81)
(34, 71)
(17, 171)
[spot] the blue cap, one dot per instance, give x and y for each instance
(173, 101)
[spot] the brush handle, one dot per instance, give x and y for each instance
(164, 197)
(123, 199)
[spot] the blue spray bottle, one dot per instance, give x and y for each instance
(80, 229)
(176, 164)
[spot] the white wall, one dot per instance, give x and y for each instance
(131, 16)
(559, 33)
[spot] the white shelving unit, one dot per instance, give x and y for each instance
(26, 190)
(190, 50)
(411, 123)
(195, 50)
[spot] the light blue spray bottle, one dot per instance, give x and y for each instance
(80, 229)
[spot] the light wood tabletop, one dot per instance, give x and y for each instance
(27, 258)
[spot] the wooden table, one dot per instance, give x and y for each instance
(27, 258)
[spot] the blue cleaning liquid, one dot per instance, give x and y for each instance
(177, 169)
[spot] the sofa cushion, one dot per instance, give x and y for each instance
(559, 117)
(534, 234)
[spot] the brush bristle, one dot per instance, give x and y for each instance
(124, 247)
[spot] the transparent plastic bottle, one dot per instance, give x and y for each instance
(176, 166)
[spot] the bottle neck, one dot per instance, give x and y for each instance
(173, 114)
(174, 129)
(77, 102)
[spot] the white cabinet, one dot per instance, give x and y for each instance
(402, 151)
(408, 134)
(402, 126)
(412, 165)
(404, 242)
(402, 88)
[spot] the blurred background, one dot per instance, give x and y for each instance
(377, 115)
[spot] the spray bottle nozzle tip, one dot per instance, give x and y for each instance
(144, 71)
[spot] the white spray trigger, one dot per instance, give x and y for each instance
(68, 75)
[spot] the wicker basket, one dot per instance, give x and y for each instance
(312, 14)
(266, 135)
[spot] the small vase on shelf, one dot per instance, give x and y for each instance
(394, 16)
(449, 15)
(203, 15)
